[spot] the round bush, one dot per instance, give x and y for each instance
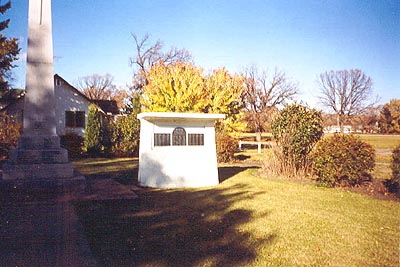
(297, 129)
(343, 160)
(393, 184)
(226, 147)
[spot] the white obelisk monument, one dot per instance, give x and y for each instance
(39, 155)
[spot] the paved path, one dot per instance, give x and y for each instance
(41, 228)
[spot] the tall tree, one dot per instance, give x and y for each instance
(96, 86)
(148, 54)
(183, 87)
(101, 87)
(9, 50)
(224, 92)
(175, 87)
(263, 93)
(389, 118)
(345, 92)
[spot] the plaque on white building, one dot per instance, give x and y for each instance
(177, 150)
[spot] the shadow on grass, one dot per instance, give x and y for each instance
(172, 228)
(124, 171)
(181, 227)
(226, 172)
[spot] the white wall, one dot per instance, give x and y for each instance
(67, 99)
(177, 166)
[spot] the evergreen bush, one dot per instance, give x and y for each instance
(126, 136)
(343, 160)
(393, 184)
(93, 136)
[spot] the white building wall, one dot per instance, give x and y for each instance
(68, 100)
(177, 166)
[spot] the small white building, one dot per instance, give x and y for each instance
(177, 150)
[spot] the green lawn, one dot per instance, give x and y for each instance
(381, 141)
(383, 144)
(247, 220)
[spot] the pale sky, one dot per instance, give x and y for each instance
(301, 37)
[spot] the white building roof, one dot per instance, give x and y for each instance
(176, 116)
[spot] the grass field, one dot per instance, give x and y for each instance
(383, 144)
(247, 220)
(381, 141)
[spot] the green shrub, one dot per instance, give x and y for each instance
(73, 143)
(342, 160)
(10, 130)
(107, 136)
(296, 129)
(393, 184)
(226, 147)
(126, 136)
(93, 136)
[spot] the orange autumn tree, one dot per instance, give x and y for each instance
(183, 87)
(174, 88)
(224, 96)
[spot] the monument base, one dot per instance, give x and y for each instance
(37, 171)
(41, 160)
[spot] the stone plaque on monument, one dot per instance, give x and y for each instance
(39, 155)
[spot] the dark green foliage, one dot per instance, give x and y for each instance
(73, 143)
(133, 104)
(389, 118)
(393, 184)
(343, 160)
(93, 136)
(9, 50)
(107, 135)
(226, 147)
(126, 136)
(10, 130)
(296, 129)
(396, 164)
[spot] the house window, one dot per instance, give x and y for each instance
(58, 82)
(75, 119)
(162, 139)
(179, 137)
(196, 139)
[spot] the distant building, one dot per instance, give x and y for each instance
(336, 129)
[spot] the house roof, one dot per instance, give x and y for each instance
(14, 95)
(58, 77)
(108, 106)
(176, 116)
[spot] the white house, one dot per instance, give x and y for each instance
(71, 109)
(177, 150)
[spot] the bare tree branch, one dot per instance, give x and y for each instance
(96, 86)
(148, 54)
(263, 93)
(346, 92)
